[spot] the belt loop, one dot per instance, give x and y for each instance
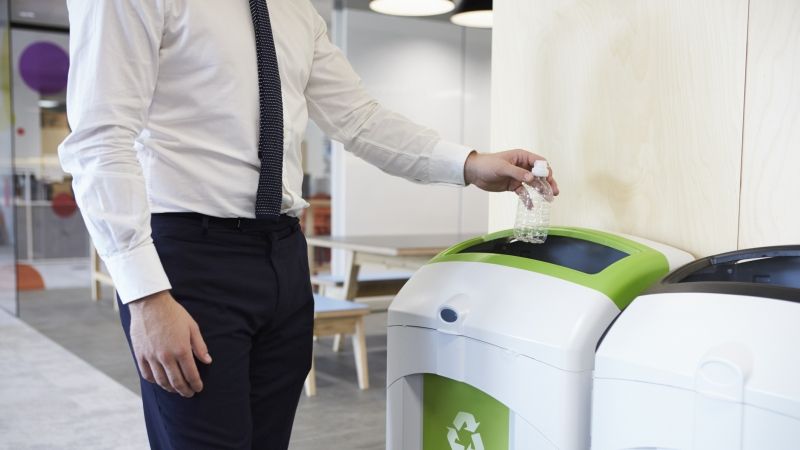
(239, 224)
(205, 225)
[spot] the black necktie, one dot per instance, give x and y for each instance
(270, 135)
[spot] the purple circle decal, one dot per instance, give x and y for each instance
(44, 67)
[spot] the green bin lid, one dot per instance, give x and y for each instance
(614, 265)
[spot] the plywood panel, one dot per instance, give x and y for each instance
(770, 176)
(637, 104)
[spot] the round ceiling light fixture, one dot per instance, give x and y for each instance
(474, 13)
(412, 7)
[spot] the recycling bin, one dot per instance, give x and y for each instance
(491, 345)
(707, 359)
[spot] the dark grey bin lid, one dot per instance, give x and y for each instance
(770, 272)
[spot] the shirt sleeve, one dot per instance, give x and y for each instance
(340, 105)
(114, 52)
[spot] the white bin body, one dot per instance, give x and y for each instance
(699, 371)
(523, 338)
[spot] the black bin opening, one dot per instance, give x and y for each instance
(777, 271)
(577, 254)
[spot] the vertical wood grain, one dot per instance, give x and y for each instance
(771, 157)
(637, 104)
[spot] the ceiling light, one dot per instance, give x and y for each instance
(49, 104)
(474, 13)
(412, 7)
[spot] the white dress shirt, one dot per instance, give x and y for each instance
(164, 109)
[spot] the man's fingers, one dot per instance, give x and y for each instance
(524, 158)
(161, 377)
(145, 371)
(176, 379)
(199, 345)
(531, 159)
(517, 173)
(552, 182)
(190, 373)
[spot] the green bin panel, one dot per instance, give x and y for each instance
(457, 416)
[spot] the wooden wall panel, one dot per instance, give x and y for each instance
(770, 212)
(637, 104)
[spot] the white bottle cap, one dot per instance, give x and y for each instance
(540, 168)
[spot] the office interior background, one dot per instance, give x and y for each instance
(675, 121)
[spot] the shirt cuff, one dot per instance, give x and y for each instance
(447, 162)
(137, 273)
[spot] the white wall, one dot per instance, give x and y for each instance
(476, 126)
(436, 74)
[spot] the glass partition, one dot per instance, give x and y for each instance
(8, 279)
(52, 243)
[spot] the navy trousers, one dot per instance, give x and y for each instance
(246, 284)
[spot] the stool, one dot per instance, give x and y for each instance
(334, 317)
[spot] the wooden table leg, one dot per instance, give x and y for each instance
(95, 264)
(312, 263)
(360, 353)
(352, 268)
(311, 380)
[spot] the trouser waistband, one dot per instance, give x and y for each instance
(280, 223)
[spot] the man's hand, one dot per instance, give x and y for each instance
(164, 338)
(504, 171)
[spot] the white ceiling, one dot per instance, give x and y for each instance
(51, 13)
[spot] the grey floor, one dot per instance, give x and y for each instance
(51, 399)
(339, 417)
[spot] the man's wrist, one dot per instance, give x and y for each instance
(468, 167)
(150, 300)
(137, 273)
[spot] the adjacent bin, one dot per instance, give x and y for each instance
(708, 359)
(491, 345)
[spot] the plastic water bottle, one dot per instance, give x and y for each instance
(533, 210)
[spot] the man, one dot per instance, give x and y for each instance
(187, 118)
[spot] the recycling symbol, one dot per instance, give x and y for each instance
(463, 434)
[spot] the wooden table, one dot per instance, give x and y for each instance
(98, 277)
(404, 252)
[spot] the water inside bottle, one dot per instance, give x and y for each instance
(533, 215)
